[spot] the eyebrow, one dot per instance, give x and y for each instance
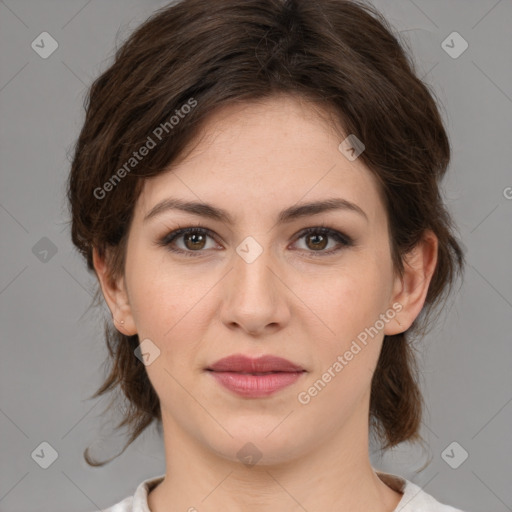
(288, 215)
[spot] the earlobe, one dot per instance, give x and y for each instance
(114, 293)
(410, 289)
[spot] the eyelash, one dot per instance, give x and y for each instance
(341, 238)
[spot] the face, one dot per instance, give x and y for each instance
(258, 284)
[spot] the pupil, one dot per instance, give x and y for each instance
(321, 237)
(193, 238)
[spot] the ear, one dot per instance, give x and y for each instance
(115, 294)
(411, 289)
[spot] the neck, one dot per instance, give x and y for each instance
(335, 474)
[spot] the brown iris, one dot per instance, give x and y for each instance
(197, 240)
(320, 241)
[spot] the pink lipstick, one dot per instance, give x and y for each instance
(254, 378)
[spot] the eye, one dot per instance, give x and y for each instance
(194, 240)
(317, 239)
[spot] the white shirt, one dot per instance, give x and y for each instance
(414, 499)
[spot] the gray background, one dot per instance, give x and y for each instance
(52, 349)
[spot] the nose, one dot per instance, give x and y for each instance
(255, 298)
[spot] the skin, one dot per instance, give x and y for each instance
(255, 160)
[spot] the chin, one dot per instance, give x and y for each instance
(253, 445)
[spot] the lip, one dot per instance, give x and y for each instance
(255, 377)
(244, 364)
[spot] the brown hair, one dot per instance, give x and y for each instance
(339, 54)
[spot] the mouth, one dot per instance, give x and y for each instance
(255, 373)
(255, 378)
(241, 363)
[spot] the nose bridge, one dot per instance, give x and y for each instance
(252, 267)
(253, 298)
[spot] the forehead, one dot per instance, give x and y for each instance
(264, 155)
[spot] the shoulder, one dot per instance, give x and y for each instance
(123, 506)
(414, 498)
(139, 501)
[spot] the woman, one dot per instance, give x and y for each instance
(257, 188)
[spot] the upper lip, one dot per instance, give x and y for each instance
(262, 364)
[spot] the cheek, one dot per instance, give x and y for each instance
(170, 306)
(351, 306)
(160, 293)
(345, 362)
(349, 299)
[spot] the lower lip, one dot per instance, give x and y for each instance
(255, 386)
